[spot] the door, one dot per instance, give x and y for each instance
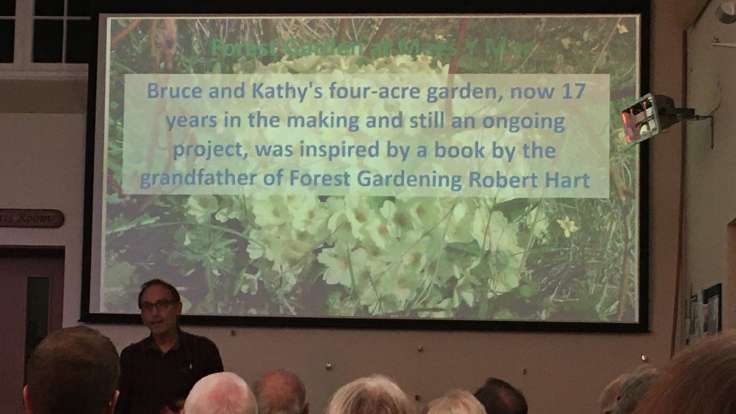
(31, 294)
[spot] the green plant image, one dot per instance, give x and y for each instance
(401, 256)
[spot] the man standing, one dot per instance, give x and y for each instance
(157, 373)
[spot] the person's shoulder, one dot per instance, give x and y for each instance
(198, 340)
(136, 347)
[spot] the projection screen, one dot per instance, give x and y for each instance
(463, 169)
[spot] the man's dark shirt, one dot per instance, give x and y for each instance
(150, 379)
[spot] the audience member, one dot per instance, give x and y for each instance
(609, 396)
(456, 402)
(72, 371)
(221, 393)
(281, 392)
(375, 394)
(633, 388)
(701, 380)
(500, 397)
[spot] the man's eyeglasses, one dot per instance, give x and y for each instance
(159, 305)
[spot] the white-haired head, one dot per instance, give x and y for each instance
(221, 393)
(376, 394)
(456, 402)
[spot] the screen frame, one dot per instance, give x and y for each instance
(576, 7)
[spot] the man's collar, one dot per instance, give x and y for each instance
(150, 343)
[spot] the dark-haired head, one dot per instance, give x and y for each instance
(500, 397)
(160, 306)
(73, 370)
(168, 286)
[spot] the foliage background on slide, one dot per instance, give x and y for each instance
(463, 258)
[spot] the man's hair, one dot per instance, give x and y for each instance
(701, 380)
(73, 370)
(375, 394)
(280, 392)
(221, 393)
(500, 397)
(456, 402)
(174, 293)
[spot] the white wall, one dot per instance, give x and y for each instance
(710, 172)
(42, 167)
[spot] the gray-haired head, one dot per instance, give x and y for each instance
(376, 394)
(609, 396)
(456, 402)
(633, 388)
(221, 393)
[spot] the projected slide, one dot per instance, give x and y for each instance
(432, 168)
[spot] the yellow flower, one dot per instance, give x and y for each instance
(568, 226)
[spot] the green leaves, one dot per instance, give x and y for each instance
(122, 224)
(475, 258)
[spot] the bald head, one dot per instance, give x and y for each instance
(281, 392)
(221, 393)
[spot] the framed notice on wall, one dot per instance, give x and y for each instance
(712, 309)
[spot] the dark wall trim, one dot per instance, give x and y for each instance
(31, 251)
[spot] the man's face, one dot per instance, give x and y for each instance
(158, 310)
